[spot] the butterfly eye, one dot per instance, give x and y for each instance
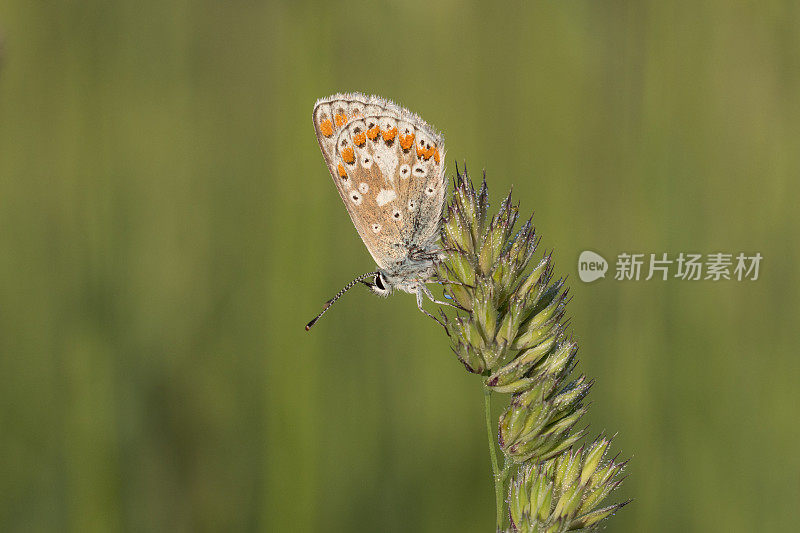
(379, 282)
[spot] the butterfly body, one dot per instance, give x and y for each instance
(388, 166)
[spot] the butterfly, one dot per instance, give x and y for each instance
(388, 166)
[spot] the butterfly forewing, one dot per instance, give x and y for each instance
(388, 166)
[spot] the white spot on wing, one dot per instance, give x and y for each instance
(422, 141)
(376, 228)
(385, 196)
(388, 123)
(363, 187)
(386, 159)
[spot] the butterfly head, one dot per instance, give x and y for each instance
(379, 284)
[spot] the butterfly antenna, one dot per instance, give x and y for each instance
(339, 294)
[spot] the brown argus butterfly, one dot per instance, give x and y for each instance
(388, 166)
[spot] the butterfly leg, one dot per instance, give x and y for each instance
(421, 289)
(430, 296)
(419, 305)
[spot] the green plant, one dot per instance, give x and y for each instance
(511, 330)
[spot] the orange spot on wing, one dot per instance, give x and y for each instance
(348, 155)
(425, 153)
(406, 141)
(389, 135)
(326, 128)
(372, 133)
(342, 171)
(436, 156)
(359, 139)
(340, 118)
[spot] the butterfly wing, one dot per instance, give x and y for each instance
(388, 166)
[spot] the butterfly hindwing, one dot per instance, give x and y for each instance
(388, 166)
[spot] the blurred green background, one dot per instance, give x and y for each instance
(167, 227)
